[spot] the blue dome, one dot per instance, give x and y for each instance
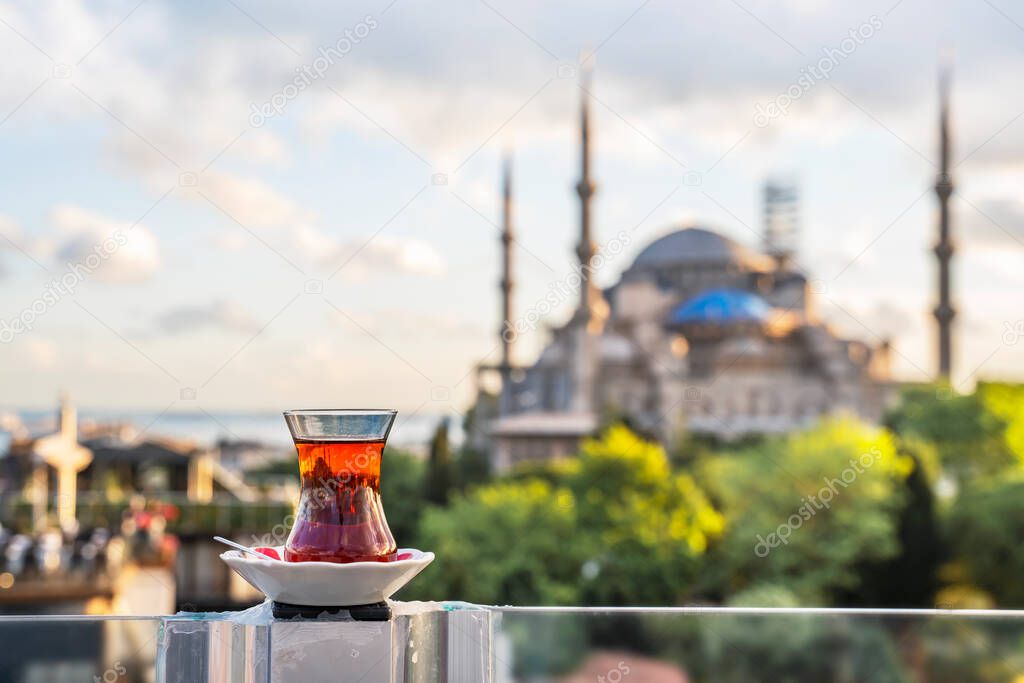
(721, 306)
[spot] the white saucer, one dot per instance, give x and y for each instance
(327, 583)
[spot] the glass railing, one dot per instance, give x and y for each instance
(62, 648)
(454, 642)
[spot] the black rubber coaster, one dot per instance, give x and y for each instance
(378, 611)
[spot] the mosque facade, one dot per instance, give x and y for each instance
(701, 334)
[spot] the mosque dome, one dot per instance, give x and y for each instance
(696, 246)
(721, 306)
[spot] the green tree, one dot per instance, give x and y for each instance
(807, 510)
(967, 431)
(505, 543)
(612, 526)
(1006, 403)
(645, 527)
(910, 578)
(985, 529)
(439, 466)
(402, 477)
(472, 465)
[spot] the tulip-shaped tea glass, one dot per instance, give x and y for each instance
(340, 517)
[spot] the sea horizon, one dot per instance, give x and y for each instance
(411, 431)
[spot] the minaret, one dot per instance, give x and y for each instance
(585, 188)
(944, 312)
(590, 316)
(508, 331)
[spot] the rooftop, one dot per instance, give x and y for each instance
(546, 424)
(698, 245)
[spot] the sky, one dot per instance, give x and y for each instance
(247, 205)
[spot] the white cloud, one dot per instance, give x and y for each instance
(42, 354)
(250, 201)
(405, 254)
(999, 225)
(181, 78)
(219, 315)
(997, 267)
(367, 257)
(314, 244)
(130, 252)
(363, 257)
(464, 72)
(262, 146)
(10, 230)
(10, 238)
(394, 323)
(231, 241)
(384, 254)
(872, 322)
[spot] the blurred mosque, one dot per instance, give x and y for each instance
(701, 334)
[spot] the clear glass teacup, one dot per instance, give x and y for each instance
(340, 517)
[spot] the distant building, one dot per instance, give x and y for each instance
(700, 333)
(116, 492)
(118, 460)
